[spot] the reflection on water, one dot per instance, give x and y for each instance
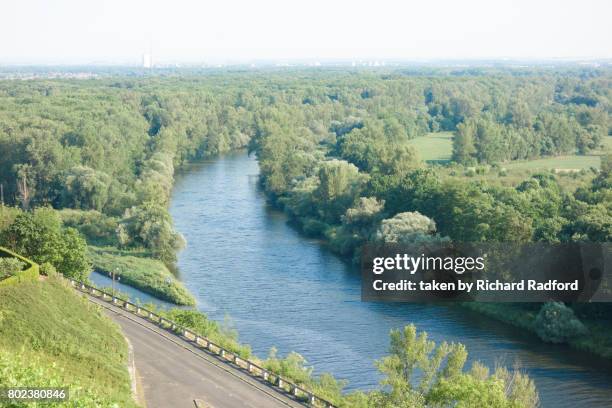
(284, 290)
(103, 281)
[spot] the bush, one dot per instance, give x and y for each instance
(47, 269)
(314, 228)
(99, 229)
(556, 323)
(10, 267)
(293, 366)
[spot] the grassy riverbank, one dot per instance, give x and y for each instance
(146, 274)
(137, 267)
(597, 340)
(49, 336)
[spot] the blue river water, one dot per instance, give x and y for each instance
(248, 267)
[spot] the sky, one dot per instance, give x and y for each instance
(120, 31)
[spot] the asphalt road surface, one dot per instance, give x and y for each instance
(173, 373)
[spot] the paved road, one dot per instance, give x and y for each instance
(173, 373)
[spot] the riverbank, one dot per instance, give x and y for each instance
(598, 337)
(598, 340)
(289, 291)
(147, 274)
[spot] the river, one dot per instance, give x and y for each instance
(246, 265)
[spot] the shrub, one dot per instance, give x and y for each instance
(556, 323)
(98, 228)
(313, 227)
(10, 267)
(407, 228)
(47, 269)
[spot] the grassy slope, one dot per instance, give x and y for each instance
(50, 331)
(149, 275)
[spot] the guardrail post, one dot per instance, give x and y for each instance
(294, 389)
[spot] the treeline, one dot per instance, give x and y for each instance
(333, 148)
(362, 182)
(110, 150)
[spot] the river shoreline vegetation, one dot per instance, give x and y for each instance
(87, 168)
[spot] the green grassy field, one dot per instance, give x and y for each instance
(569, 162)
(572, 162)
(438, 148)
(149, 275)
(50, 336)
(434, 147)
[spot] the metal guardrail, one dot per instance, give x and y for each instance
(201, 342)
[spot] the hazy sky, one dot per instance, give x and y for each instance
(69, 31)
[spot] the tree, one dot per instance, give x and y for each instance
(85, 188)
(407, 227)
(358, 224)
(463, 143)
(150, 226)
(39, 235)
(556, 323)
(593, 224)
(419, 373)
(339, 186)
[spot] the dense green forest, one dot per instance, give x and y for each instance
(110, 147)
(323, 139)
(333, 146)
(91, 163)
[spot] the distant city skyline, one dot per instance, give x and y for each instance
(234, 31)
